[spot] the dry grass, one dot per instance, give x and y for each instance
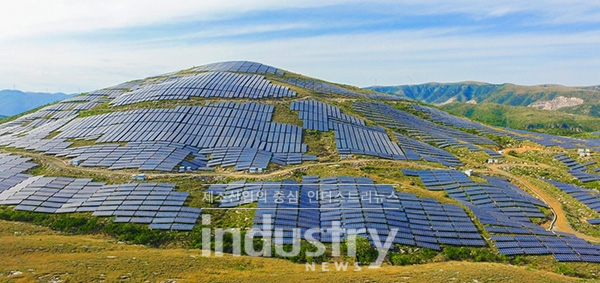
(42, 256)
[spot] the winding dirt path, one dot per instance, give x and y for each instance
(560, 222)
(57, 162)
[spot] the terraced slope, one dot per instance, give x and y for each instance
(258, 148)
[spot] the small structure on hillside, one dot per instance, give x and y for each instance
(138, 177)
(469, 172)
(584, 152)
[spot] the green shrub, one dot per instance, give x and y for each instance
(137, 234)
(365, 253)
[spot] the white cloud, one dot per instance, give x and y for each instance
(37, 17)
(356, 59)
(42, 17)
(39, 52)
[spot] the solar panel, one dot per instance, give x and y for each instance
(344, 200)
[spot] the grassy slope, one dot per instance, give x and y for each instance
(43, 255)
(85, 259)
(525, 118)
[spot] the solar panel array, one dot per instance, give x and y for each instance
(353, 139)
(326, 88)
(356, 204)
(352, 136)
(416, 127)
(145, 203)
(570, 162)
(417, 150)
(493, 154)
(577, 170)
(162, 137)
(11, 170)
(591, 198)
(224, 124)
(241, 158)
(595, 221)
(206, 85)
(160, 156)
(498, 195)
(176, 133)
(321, 116)
(439, 116)
(504, 210)
(240, 67)
(564, 142)
(564, 247)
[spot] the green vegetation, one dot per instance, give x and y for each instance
(46, 256)
(507, 94)
(284, 115)
(85, 224)
(526, 118)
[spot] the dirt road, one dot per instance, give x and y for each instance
(560, 222)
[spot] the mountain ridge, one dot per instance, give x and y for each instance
(506, 93)
(16, 101)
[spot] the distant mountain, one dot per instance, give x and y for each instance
(506, 94)
(13, 102)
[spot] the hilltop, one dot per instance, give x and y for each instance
(253, 147)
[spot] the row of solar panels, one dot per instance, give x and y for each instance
(353, 137)
(439, 116)
(213, 126)
(570, 162)
(563, 248)
(564, 142)
(240, 67)
(417, 150)
(512, 231)
(326, 88)
(206, 85)
(159, 156)
(591, 198)
(354, 203)
(11, 170)
(499, 194)
(396, 119)
(578, 170)
(237, 128)
(319, 116)
(153, 203)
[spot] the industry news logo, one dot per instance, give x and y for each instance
(286, 243)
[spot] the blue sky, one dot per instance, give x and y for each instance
(73, 46)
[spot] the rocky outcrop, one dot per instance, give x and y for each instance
(557, 103)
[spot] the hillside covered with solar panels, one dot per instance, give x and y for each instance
(239, 141)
